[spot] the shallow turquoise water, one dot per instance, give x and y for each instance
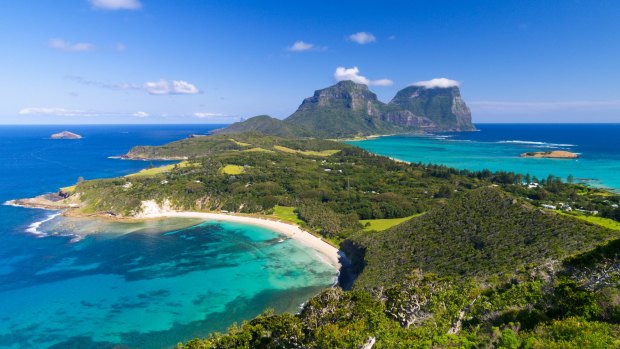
(151, 289)
(146, 285)
(497, 147)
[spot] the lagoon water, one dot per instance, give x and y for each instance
(497, 147)
(145, 285)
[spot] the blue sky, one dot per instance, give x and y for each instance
(191, 61)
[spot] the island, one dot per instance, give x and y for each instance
(435, 256)
(554, 154)
(65, 135)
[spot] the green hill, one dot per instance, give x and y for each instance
(267, 125)
(481, 233)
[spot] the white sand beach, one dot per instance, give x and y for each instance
(328, 252)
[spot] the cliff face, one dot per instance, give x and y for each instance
(442, 108)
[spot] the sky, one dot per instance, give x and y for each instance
(195, 61)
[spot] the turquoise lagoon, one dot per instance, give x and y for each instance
(497, 147)
(75, 283)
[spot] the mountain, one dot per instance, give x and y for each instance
(349, 109)
(265, 124)
(442, 108)
(343, 110)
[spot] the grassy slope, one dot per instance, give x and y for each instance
(384, 224)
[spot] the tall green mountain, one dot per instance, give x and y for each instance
(343, 110)
(349, 109)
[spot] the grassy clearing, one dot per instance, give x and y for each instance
(286, 213)
(603, 222)
(258, 150)
(159, 170)
(232, 169)
(328, 152)
(384, 224)
(241, 144)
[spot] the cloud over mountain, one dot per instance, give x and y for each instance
(439, 82)
(353, 74)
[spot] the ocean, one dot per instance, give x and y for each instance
(498, 146)
(142, 285)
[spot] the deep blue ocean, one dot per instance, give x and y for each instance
(144, 285)
(498, 146)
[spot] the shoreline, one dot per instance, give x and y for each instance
(327, 252)
(324, 250)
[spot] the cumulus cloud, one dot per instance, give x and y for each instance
(60, 44)
(439, 82)
(174, 87)
(161, 87)
(203, 115)
(353, 74)
(116, 4)
(141, 114)
(362, 38)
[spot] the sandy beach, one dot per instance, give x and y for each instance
(328, 252)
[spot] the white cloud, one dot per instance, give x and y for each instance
(63, 45)
(353, 74)
(161, 87)
(165, 87)
(203, 115)
(439, 82)
(56, 111)
(300, 46)
(116, 4)
(362, 38)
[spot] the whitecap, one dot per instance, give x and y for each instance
(34, 227)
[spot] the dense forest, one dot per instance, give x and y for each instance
(483, 259)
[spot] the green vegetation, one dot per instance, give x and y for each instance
(287, 214)
(383, 224)
(481, 233)
(484, 266)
